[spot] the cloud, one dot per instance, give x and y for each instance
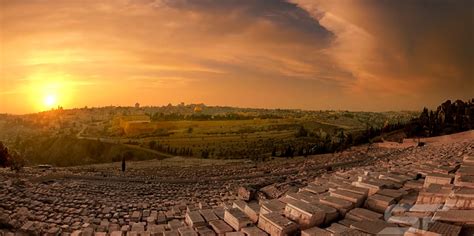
(401, 49)
(364, 54)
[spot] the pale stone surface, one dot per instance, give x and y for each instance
(355, 198)
(436, 178)
(315, 231)
(371, 227)
(343, 206)
(305, 214)
(361, 214)
(220, 227)
(276, 225)
(253, 231)
(194, 219)
(156, 202)
(236, 219)
(379, 203)
(272, 206)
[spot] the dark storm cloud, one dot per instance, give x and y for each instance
(421, 48)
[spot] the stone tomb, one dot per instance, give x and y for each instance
(252, 209)
(305, 214)
(276, 224)
(208, 215)
(355, 198)
(253, 231)
(379, 203)
(220, 227)
(437, 178)
(361, 214)
(237, 219)
(343, 206)
(274, 205)
(315, 231)
(194, 219)
(462, 199)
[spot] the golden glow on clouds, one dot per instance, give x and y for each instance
(312, 54)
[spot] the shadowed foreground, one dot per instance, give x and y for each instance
(344, 192)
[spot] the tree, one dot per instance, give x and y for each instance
(128, 155)
(302, 132)
(205, 154)
(16, 162)
(4, 156)
(152, 144)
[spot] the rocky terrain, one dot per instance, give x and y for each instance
(426, 190)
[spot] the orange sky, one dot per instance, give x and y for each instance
(313, 54)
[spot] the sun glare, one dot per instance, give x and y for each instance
(50, 101)
(49, 90)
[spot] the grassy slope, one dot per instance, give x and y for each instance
(65, 151)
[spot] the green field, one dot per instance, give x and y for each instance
(87, 136)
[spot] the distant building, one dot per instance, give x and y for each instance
(137, 105)
(197, 109)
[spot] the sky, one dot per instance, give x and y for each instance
(361, 55)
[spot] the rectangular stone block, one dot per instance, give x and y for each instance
(444, 229)
(436, 178)
(171, 233)
(136, 216)
(464, 181)
(423, 210)
(331, 213)
(337, 229)
(361, 214)
(253, 231)
(461, 199)
(187, 231)
(239, 204)
(397, 194)
(343, 206)
(355, 198)
(412, 231)
(355, 189)
(406, 221)
(276, 224)
(379, 203)
(252, 210)
(371, 227)
(234, 234)
(372, 186)
(315, 231)
(434, 194)
(194, 219)
(316, 189)
(175, 224)
(208, 215)
(305, 214)
(220, 227)
(138, 227)
(236, 219)
(465, 217)
(272, 206)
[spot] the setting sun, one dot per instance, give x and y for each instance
(50, 101)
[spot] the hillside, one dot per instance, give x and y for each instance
(67, 151)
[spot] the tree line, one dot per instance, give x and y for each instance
(448, 118)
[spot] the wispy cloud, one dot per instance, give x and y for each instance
(340, 54)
